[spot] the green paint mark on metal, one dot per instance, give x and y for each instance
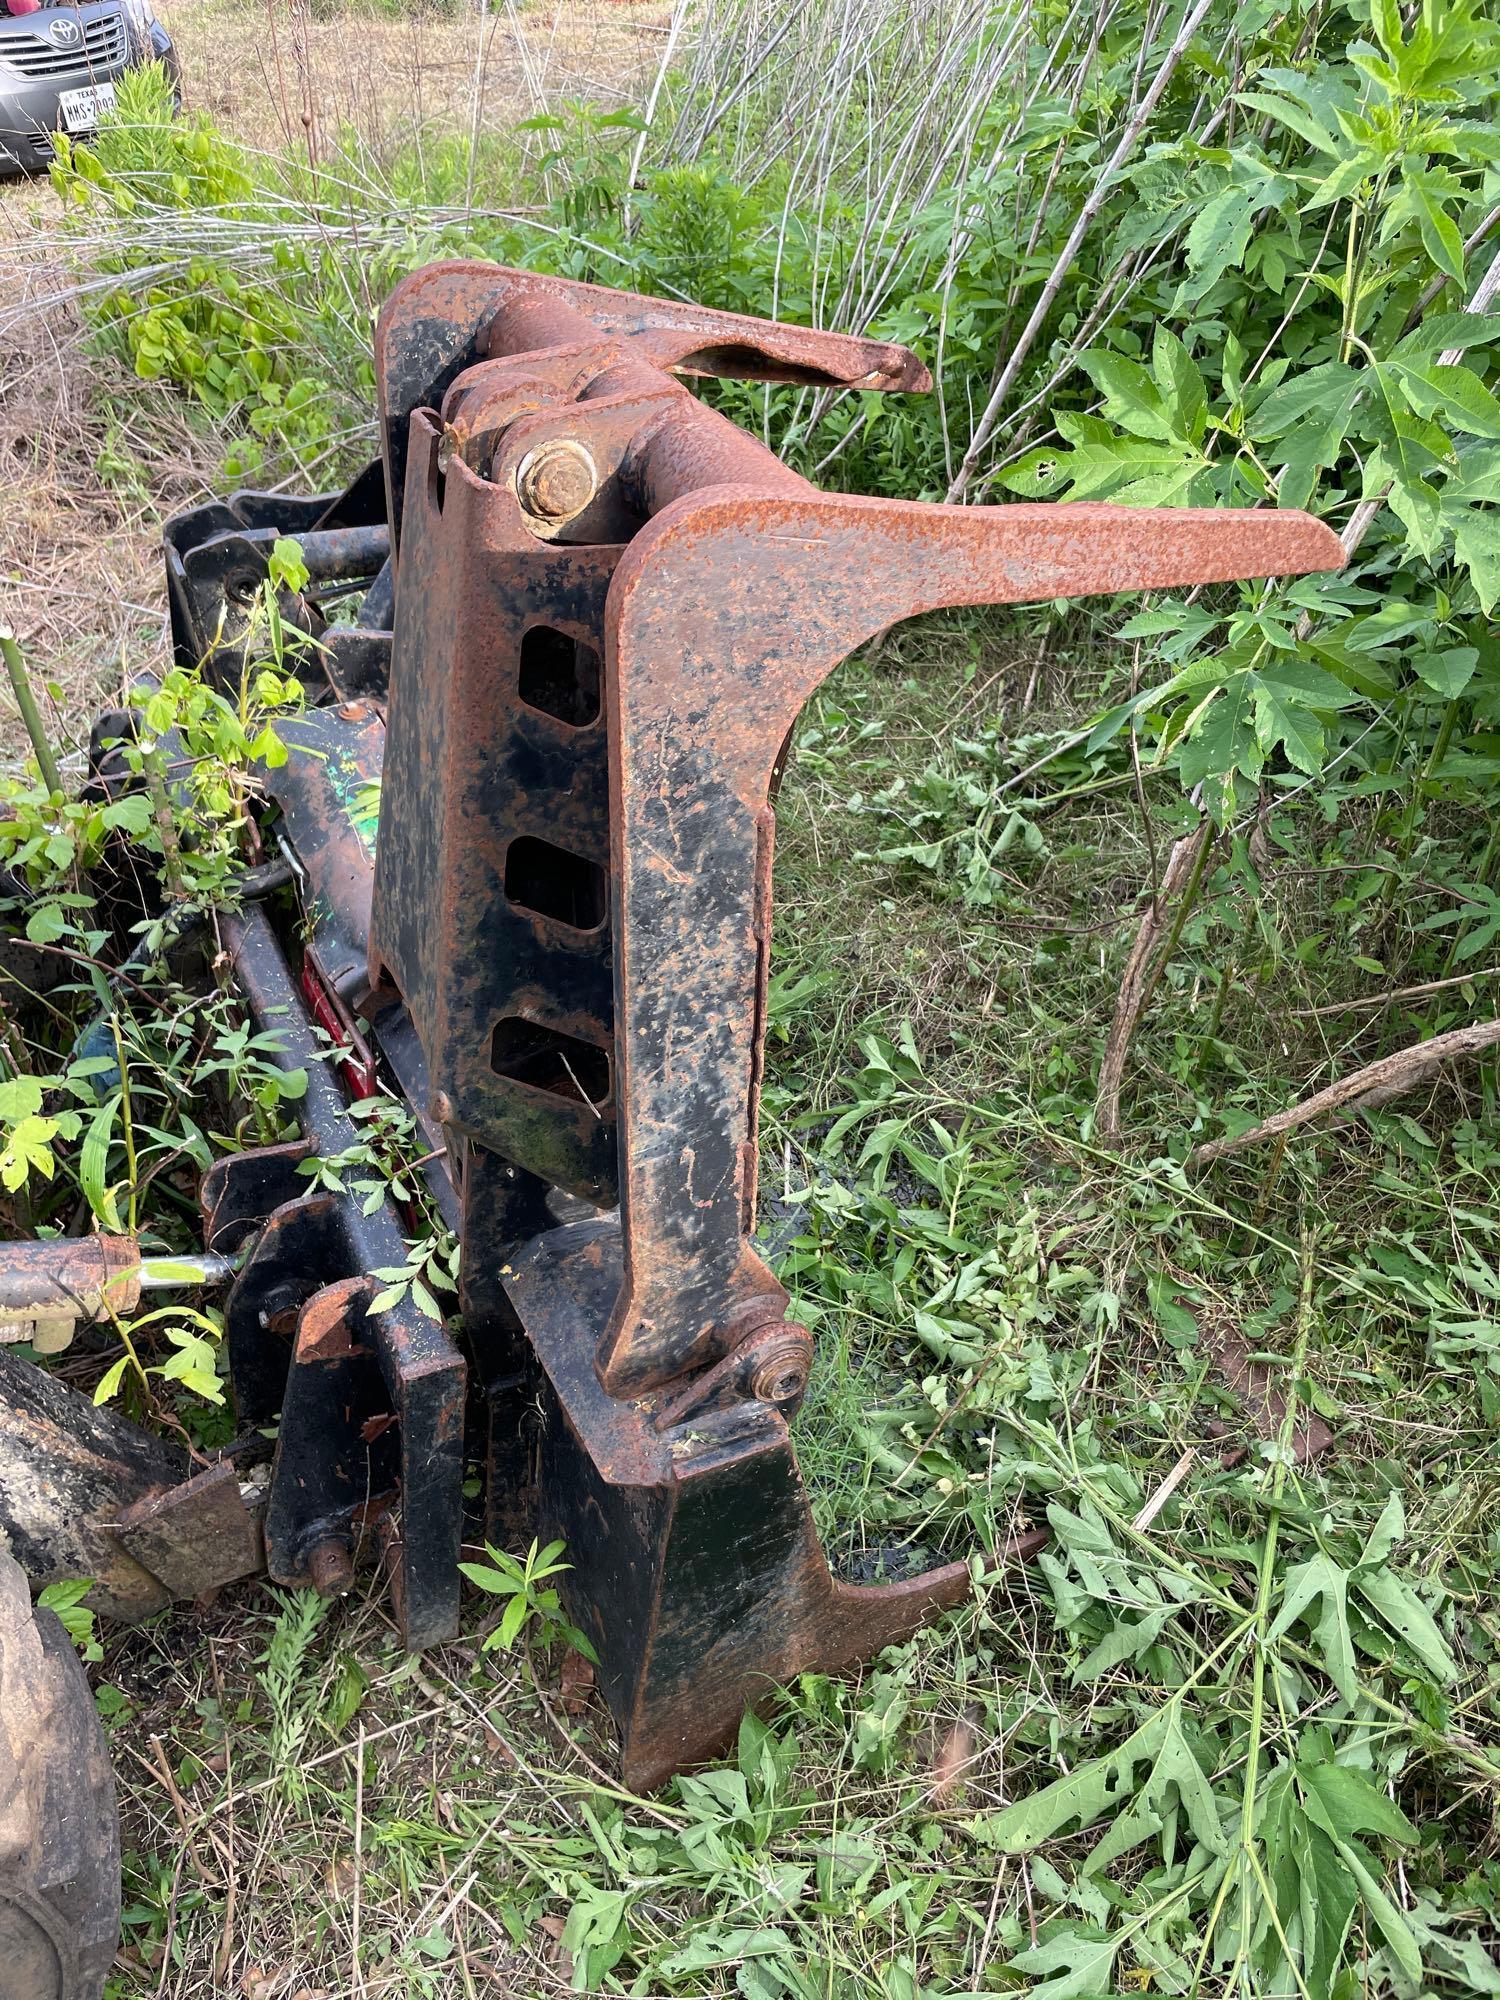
(358, 793)
(365, 813)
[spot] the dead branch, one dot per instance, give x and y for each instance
(1376, 1083)
(1139, 978)
(1389, 999)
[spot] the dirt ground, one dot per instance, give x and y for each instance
(270, 73)
(90, 460)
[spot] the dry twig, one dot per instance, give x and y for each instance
(1139, 976)
(1375, 1084)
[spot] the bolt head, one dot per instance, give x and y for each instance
(557, 480)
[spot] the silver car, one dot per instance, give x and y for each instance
(58, 67)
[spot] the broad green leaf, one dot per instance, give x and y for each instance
(1284, 720)
(1476, 477)
(1413, 501)
(1321, 1582)
(193, 1365)
(1447, 673)
(1131, 398)
(497, 1581)
(1308, 393)
(1437, 333)
(1309, 449)
(1176, 1784)
(1072, 1964)
(1137, 473)
(1125, 1641)
(1385, 19)
(1327, 1897)
(1151, 1774)
(512, 1619)
(1181, 386)
(1075, 1801)
(110, 1381)
(20, 1097)
(131, 814)
(1464, 1957)
(47, 922)
(93, 1163)
(1295, 117)
(1458, 390)
(1216, 242)
(1392, 1926)
(1302, 680)
(1350, 173)
(1343, 1802)
(1476, 540)
(1225, 740)
(1036, 474)
(1388, 1532)
(28, 1149)
(1441, 238)
(1398, 1605)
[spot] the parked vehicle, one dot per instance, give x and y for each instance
(59, 65)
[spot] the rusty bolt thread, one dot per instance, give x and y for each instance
(780, 1385)
(330, 1567)
(780, 1375)
(557, 480)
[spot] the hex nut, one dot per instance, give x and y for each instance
(557, 480)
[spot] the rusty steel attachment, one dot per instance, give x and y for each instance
(611, 606)
(593, 609)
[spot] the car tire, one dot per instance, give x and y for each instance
(59, 1831)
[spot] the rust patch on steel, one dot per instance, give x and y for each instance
(324, 1328)
(46, 1288)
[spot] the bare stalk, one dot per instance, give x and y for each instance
(20, 683)
(1068, 255)
(1375, 1084)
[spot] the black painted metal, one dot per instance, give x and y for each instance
(370, 1403)
(217, 557)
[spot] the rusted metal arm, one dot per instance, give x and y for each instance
(572, 484)
(444, 319)
(723, 616)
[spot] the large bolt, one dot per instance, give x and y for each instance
(779, 1371)
(557, 480)
(330, 1567)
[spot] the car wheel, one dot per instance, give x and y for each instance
(59, 1833)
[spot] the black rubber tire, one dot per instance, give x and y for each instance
(59, 1830)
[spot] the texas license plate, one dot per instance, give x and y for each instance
(81, 109)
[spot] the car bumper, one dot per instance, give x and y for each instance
(30, 111)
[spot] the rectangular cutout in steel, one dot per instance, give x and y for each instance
(556, 883)
(560, 676)
(546, 1059)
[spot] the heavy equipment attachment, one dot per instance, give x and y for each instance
(593, 609)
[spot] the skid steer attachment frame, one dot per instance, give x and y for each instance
(593, 609)
(611, 606)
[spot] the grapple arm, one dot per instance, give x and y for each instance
(611, 606)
